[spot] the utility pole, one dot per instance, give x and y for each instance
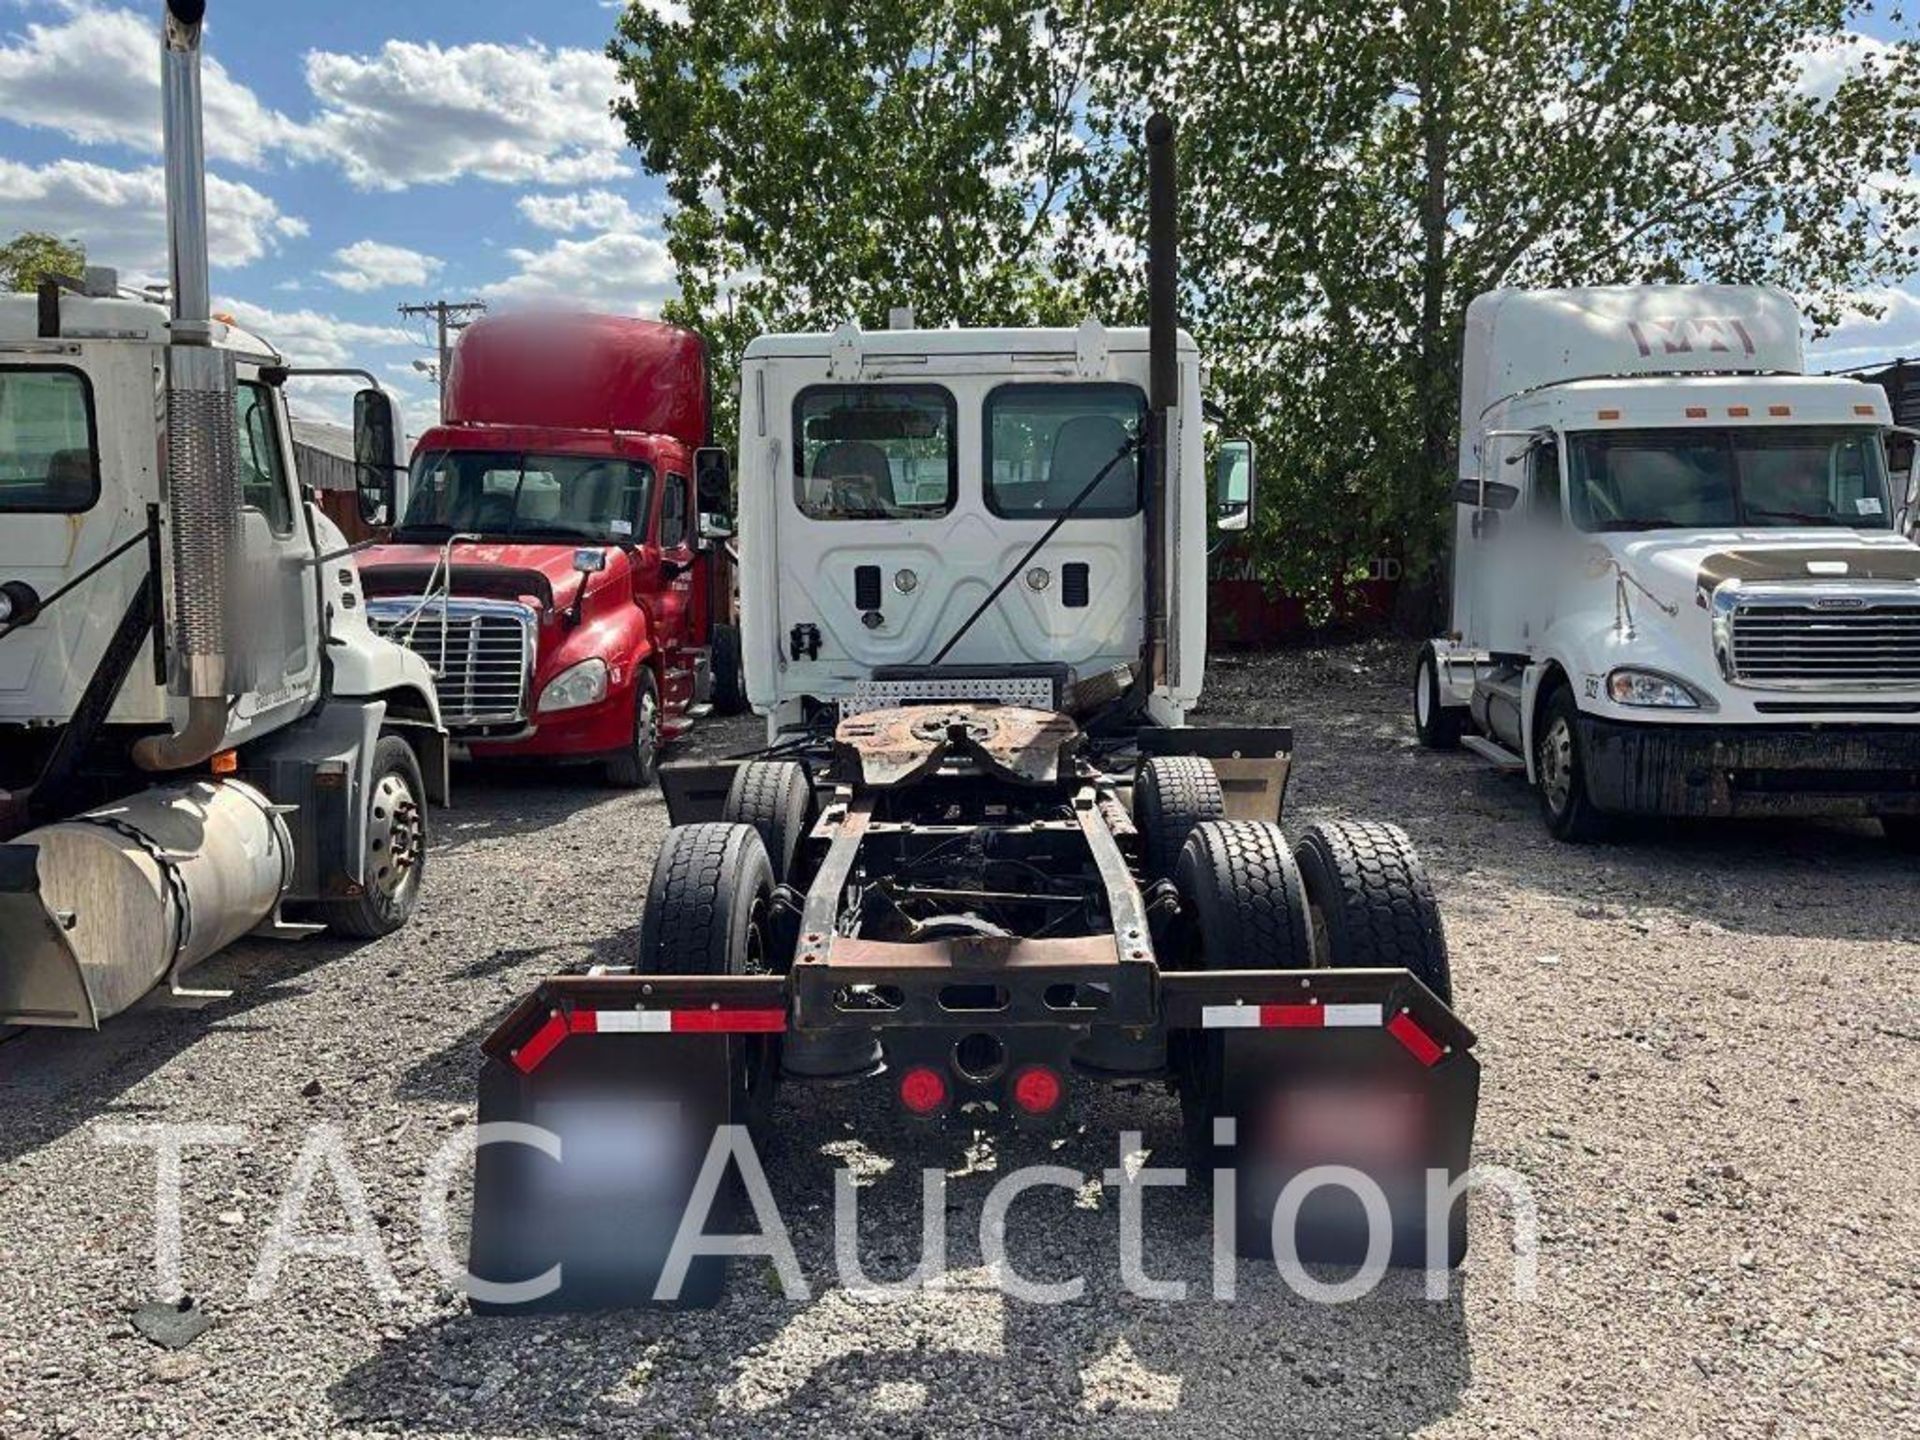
(447, 316)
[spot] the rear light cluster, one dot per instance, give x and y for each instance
(1036, 1090)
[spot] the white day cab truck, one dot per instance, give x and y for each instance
(1681, 583)
(200, 736)
(985, 868)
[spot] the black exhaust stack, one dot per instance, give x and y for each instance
(1163, 384)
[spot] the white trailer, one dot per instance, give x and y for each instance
(1681, 579)
(200, 736)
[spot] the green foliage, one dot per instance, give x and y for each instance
(32, 256)
(830, 159)
(1353, 173)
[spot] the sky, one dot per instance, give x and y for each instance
(361, 155)
(368, 153)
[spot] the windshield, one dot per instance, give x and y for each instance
(1750, 477)
(498, 493)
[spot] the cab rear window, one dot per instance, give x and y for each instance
(48, 458)
(874, 452)
(1048, 443)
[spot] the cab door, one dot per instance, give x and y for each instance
(279, 581)
(670, 600)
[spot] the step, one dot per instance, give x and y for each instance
(1496, 754)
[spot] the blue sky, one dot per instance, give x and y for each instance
(368, 152)
(362, 154)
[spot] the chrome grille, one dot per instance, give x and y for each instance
(480, 651)
(1826, 642)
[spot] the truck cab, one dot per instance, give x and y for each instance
(552, 559)
(889, 481)
(1682, 583)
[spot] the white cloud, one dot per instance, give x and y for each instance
(1861, 340)
(593, 210)
(96, 77)
(120, 215)
(1826, 61)
(371, 265)
(421, 114)
(622, 270)
(311, 337)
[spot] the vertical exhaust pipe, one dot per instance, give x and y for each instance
(1163, 381)
(202, 451)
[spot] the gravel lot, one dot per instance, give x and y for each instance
(1701, 1047)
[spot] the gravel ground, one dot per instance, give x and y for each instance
(1701, 1048)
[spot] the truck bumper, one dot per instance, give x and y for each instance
(1752, 770)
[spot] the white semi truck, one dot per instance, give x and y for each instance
(200, 736)
(1681, 580)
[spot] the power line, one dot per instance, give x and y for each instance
(447, 316)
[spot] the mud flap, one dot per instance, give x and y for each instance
(595, 1128)
(1349, 1071)
(41, 981)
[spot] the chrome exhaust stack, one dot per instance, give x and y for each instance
(202, 449)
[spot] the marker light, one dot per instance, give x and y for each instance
(923, 1090)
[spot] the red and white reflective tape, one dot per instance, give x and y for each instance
(710, 1021)
(1291, 1017)
(1402, 1026)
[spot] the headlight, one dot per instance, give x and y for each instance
(575, 686)
(1652, 690)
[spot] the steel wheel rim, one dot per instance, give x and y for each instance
(395, 839)
(647, 731)
(1556, 765)
(1423, 696)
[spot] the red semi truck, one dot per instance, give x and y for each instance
(559, 554)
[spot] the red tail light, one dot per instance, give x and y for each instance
(1036, 1090)
(923, 1090)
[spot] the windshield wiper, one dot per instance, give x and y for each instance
(1638, 522)
(1798, 517)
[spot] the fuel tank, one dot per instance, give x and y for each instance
(102, 908)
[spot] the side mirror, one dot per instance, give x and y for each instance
(589, 562)
(376, 439)
(715, 527)
(713, 481)
(1233, 486)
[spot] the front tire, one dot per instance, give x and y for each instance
(396, 848)
(638, 766)
(1437, 725)
(1560, 763)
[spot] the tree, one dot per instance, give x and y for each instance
(33, 256)
(1356, 172)
(1353, 173)
(831, 159)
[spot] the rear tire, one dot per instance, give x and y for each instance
(1171, 795)
(729, 671)
(396, 840)
(1902, 832)
(1246, 909)
(1371, 903)
(1437, 725)
(638, 766)
(708, 908)
(776, 798)
(1560, 763)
